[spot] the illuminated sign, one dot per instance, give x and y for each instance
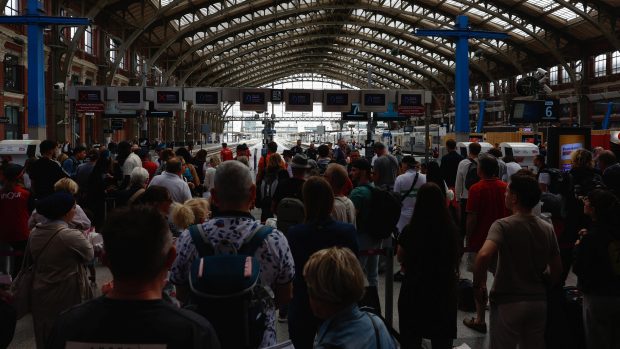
(168, 97)
(129, 97)
(298, 100)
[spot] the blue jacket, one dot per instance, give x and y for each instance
(352, 328)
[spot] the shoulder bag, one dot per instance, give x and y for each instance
(21, 288)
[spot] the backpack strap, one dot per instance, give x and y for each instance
(415, 180)
(253, 241)
(204, 248)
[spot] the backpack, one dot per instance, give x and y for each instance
(224, 288)
(290, 212)
(558, 180)
(385, 208)
(471, 177)
(267, 190)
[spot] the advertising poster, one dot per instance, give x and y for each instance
(568, 144)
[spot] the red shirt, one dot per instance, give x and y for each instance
(14, 214)
(150, 167)
(226, 154)
(486, 200)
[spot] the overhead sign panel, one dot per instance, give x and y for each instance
(89, 99)
(127, 97)
(298, 100)
(168, 98)
(374, 101)
(253, 100)
(410, 102)
(337, 100)
(204, 98)
(533, 111)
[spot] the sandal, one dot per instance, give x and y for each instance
(471, 323)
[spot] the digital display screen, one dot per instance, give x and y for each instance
(277, 96)
(168, 97)
(339, 99)
(535, 111)
(129, 97)
(568, 144)
(408, 129)
(374, 99)
(254, 98)
(299, 98)
(89, 96)
(410, 100)
(206, 97)
(158, 114)
(355, 117)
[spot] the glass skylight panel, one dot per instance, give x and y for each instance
(565, 14)
(479, 13)
(541, 4)
(498, 21)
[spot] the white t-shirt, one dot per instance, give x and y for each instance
(402, 185)
(130, 163)
(511, 168)
(461, 173)
(344, 210)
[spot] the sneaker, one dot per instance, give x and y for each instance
(282, 318)
(471, 323)
(399, 276)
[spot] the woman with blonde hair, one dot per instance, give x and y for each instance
(79, 221)
(335, 283)
(192, 211)
(318, 231)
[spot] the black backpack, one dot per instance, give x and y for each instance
(471, 177)
(385, 208)
(225, 290)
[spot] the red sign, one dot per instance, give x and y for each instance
(89, 107)
(411, 109)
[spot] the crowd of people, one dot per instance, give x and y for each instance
(193, 268)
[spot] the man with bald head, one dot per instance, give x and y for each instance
(171, 179)
(234, 194)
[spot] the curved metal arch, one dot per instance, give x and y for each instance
(327, 71)
(122, 49)
(312, 66)
(255, 50)
(312, 60)
(392, 31)
(314, 56)
(386, 12)
(77, 38)
(368, 38)
(612, 37)
(340, 48)
(311, 78)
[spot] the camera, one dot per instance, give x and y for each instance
(59, 86)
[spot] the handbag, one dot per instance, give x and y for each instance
(21, 288)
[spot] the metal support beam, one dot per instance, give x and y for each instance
(36, 22)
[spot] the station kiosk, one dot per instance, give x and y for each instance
(524, 153)
(20, 150)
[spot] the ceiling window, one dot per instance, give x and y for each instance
(553, 75)
(615, 62)
(88, 40)
(11, 8)
(600, 65)
(565, 76)
(112, 45)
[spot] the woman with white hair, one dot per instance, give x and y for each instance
(137, 183)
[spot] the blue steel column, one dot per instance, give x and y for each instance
(461, 88)
(36, 74)
(610, 109)
(481, 106)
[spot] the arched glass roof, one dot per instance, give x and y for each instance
(257, 42)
